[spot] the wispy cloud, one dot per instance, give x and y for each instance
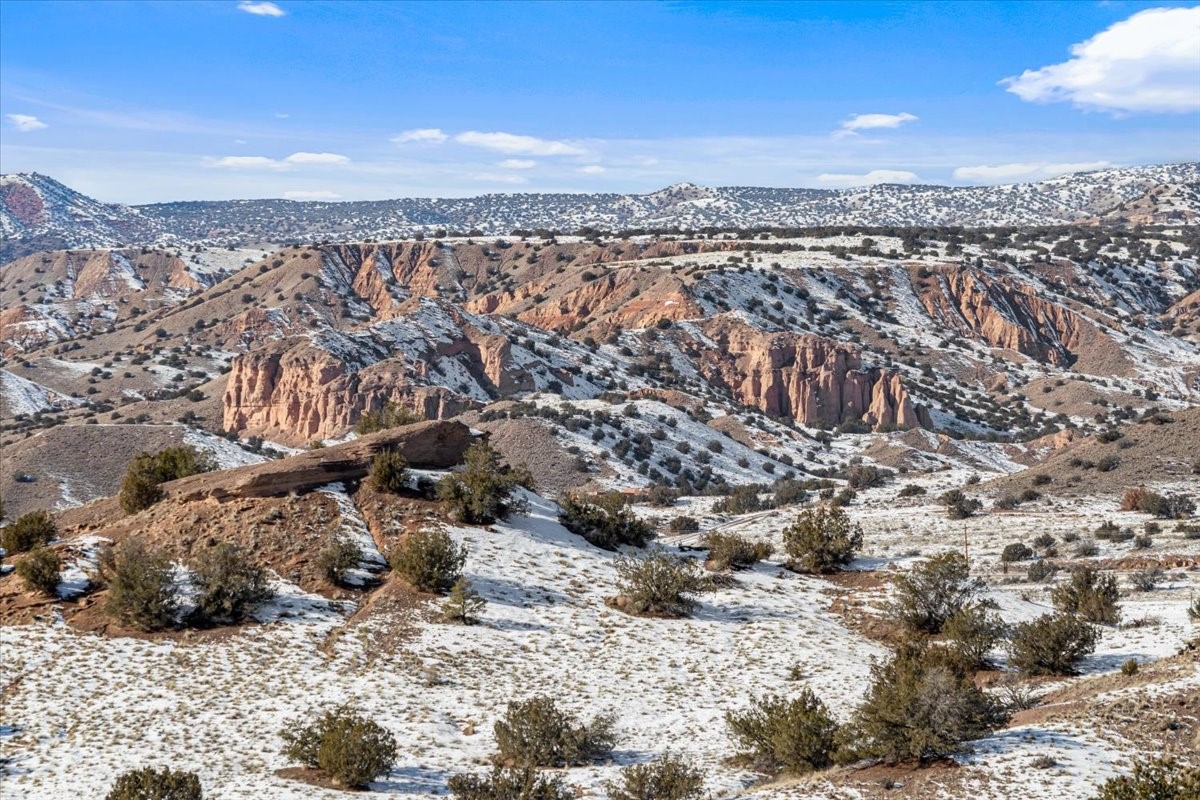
(317, 158)
(516, 144)
(26, 123)
(1017, 172)
(517, 163)
(593, 169)
(261, 9)
(863, 122)
(846, 180)
(1149, 63)
(426, 135)
(292, 161)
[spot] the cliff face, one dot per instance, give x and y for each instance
(810, 379)
(1005, 315)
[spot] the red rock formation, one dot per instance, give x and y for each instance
(813, 380)
(1005, 314)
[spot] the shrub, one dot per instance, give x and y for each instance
(1129, 666)
(1133, 499)
(730, 551)
(779, 735)
(1090, 594)
(973, 632)
(1044, 541)
(536, 733)
(141, 588)
(821, 540)
(1087, 548)
(1193, 610)
(657, 584)
(864, 476)
(140, 486)
(789, 492)
(911, 490)
(920, 705)
(390, 416)
(389, 472)
(1040, 570)
(337, 558)
(604, 521)
(741, 500)
(463, 605)
(156, 784)
(28, 531)
(483, 491)
(1175, 506)
(1015, 552)
(1051, 644)
(684, 523)
(665, 778)
(1162, 779)
(1006, 502)
(229, 584)
(934, 591)
(348, 747)
(1145, 580)
(429, 559)
(509, 784)
(41, 570)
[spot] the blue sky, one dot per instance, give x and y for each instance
(150, 101)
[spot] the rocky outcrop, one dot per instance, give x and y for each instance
(810, 379)
(1004, 314)
(426, 445)
(295, 390)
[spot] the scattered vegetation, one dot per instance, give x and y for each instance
(1161, 779)
(728, 551)
(156, 784)
(821, 540)
(1090, 594)
(779, 735)
(509, 784)
(28, 531)
(141, 587)
(229, 585)
(483, 491)
(337, 558)
(348, 747)
(140, 487)
(389, 472)
(657, 584)
(537, 733)
(430, 560)
(1052, 644)
(463, 605)
(604, 520)
(934, 591)
(390, 416)
(41, 570)
(665, 778)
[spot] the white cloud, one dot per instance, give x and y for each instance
(261, 9)
(500, 177)
(516, 144)
(249, 162)
(867, 179)
(518, 163)
(317, 158)
(26, 123)
(1148, 63)
(283, 116)
(429, 135)
(292, 161)
(1001, 173)
(313, 195)
(861, 122)
(593, 169)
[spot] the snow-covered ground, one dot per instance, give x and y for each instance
(81, 709)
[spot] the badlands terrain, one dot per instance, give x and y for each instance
(725, 359)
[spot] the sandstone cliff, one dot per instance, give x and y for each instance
(810, 379)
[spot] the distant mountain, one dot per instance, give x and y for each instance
(37, 212)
